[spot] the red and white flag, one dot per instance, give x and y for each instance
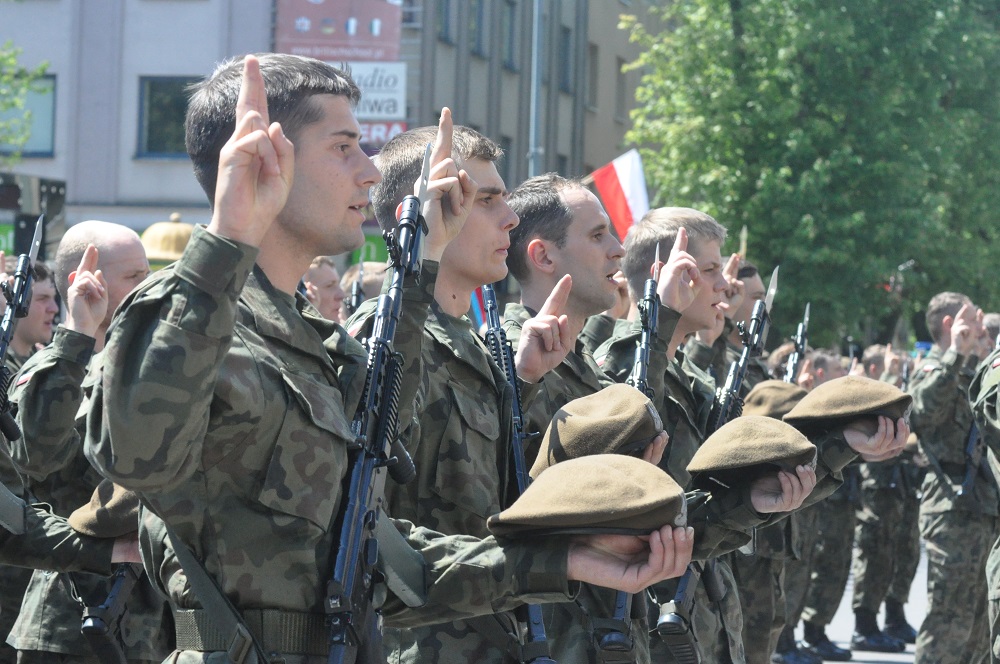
(622, 188)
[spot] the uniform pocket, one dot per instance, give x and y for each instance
(467, 473)
(307, 465)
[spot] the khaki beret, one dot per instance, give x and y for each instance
(840, 400)
(772, 398)
(617, 420)
(602, 493)
(746, 448)
(111, 512)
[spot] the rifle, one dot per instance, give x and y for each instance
(905, 376)
(728, 398)
(616, 642)
(535, 649)
(357, 292)
(102, 625)
(18, 296)
(367, 537)
(800, 340)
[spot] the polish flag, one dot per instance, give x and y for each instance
(622, 188)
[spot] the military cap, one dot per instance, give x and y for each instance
(112, 512)
(601, 493)
(747, 448)
(164, 241)
(772, 398)
(842, 400)
(617, 420)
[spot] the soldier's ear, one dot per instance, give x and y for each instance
(538, 256)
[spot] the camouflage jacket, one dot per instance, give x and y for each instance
(51, 395)
(900, 474)
(596, 331)
(985, 396)
(941, 418)
(576, 376)
(459, 441)
(227, 405)
(50, 543)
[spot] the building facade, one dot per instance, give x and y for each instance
(110, 120)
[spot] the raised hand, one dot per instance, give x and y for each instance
(736, 289)
(886, 442)
(784, 491)
(87, 296)
(964, 333)
(680, 279)
(450, 192)
(892, 363)
(806, 378)
(256, 167)
(628, 563)
(545, 339)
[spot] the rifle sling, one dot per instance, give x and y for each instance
(402, 566)
(489, 627)
(12, 511)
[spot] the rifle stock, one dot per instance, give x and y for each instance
(102, 625)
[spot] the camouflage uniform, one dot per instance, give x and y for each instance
(245, 394)
(51, 395)
(568, 625)
(688, 394)
(886, 535)
(596, 331)
(958, 531)
(985, 395)
(13, 580)
(50, 543)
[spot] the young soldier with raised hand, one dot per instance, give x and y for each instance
(226, 404)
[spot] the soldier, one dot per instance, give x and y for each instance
(33, 329)
(372, 278)
(985, 395)
(685, 399)
(227, 402)
(959, 508)
(97, 264)
(886, 536)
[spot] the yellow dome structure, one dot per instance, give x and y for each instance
(165, 241)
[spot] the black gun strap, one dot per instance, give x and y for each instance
(12, 511)
(490, 628)
(237, 640)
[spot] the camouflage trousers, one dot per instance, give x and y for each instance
(888, 548)
(13, 582)
(955, 628)
(40, 657)
(797, 572)
(993, 588)
(832, 561)
(569, 629)
(761, 582)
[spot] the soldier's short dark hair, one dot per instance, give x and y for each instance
(747, 270)
(543, 213)
(943, 304)
(874, 354)
(825, 360)
(399, 161)
(290, 80)
(659, 227)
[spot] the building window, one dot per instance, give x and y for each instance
(509, 32)
(565, 59)
(40, 110)
(477, 26)
(411, 14)
(593, 68)
(444, 21)
(562, 165)
(621, 104)
(162, 105)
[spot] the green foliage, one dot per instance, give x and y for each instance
(15, 83)
(847, 138)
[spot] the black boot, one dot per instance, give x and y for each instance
(818, 644)
(867, 635)
(788, 652)
(895, 622)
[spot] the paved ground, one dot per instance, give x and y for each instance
(842, 627)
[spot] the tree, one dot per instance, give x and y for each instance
(848, 138)
(15, 83)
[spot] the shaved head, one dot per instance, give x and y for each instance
(121, 257)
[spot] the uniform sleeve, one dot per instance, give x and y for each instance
(616, 357)
(596, 330)
(469, 577)
(941, 412)
(50, 543)
(985, 396)
(164, 351)
(47, 394)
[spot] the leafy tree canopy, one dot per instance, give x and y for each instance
(15, 83)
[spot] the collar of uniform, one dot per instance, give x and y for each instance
(277, 317)
(457, 335)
